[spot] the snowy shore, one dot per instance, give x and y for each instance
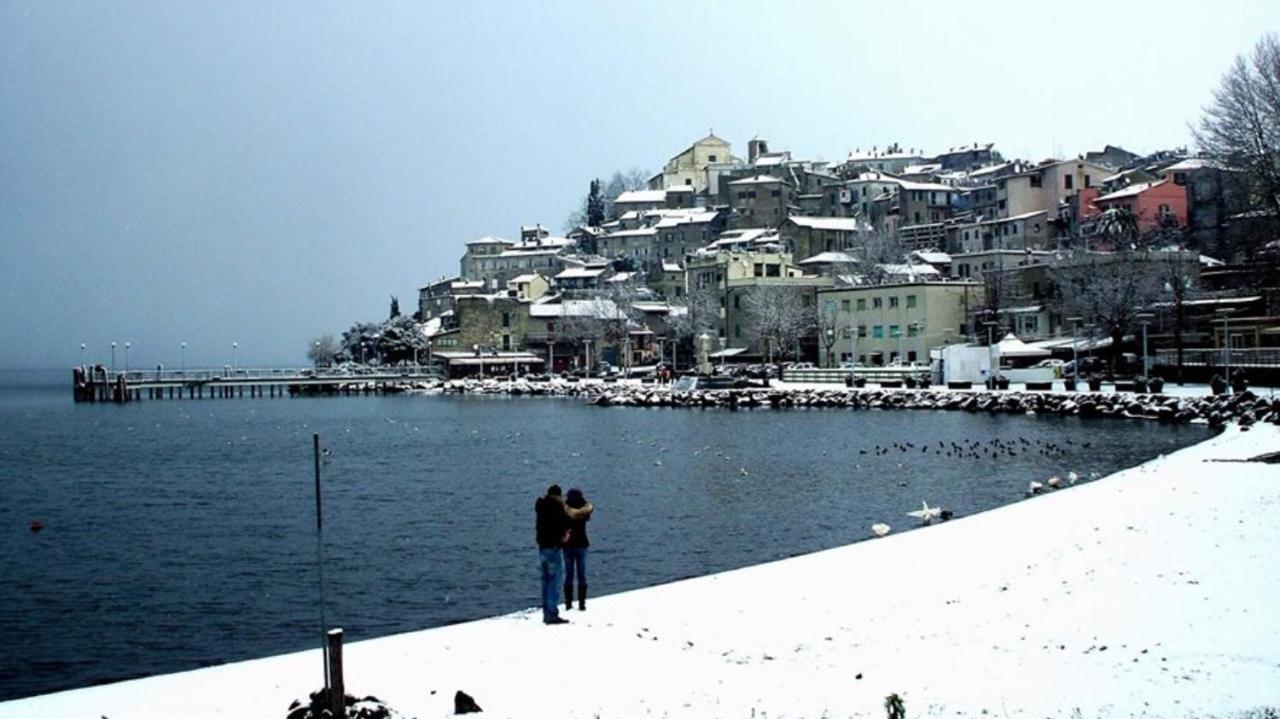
(1152, 592)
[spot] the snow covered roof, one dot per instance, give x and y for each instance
(874, 177)
(842, 224)
(598, 308)
(489, 240)
(521, 279)
(830, 258)
(925, 186)
(580, 273)
(512, 252)
(638, 232)
(757, 180)
(909, 270)
(1191, 163)
(621, 277)
(680, 188)
(467, 285)
(637, 196)
(932, 257)
(675, 218)
(1130, 191)
(671, 266)
(543, 244)
(1011, 346)
(922, 169)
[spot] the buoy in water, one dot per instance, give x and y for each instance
(36, 525)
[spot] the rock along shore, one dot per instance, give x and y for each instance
(1245, 408)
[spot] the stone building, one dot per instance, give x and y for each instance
(884, 324)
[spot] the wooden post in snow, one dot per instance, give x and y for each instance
(337, 689)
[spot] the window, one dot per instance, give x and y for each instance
(758, 270)
(1088, 181)
(862, 330)
(911, 301)
(1068, 181)
(862, 304)
(844, 305)
(772, 270)
(911, 356)
(711, 158)
(506, 319)
(912, 330)
(737, 330)
(1165, 211)
(877, 303)
(737, 302)
(878, 331)
(506, 343)
(895, 331)
(1035, 180)
(775, 193)
(1179, 178)
(893, 302)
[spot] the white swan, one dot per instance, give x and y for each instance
(926, 513)
(880, 529)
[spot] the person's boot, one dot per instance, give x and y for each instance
(582, 597)
(568, 596)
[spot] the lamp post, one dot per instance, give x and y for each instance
(430, 362)
(831, 343)
(992, 362)
(587, 344)
(235, 355)
(126, 357)
(1075, 342)
(316, 358)
(1226, 343)
(82, 349)
(113, 359)
(1145, 318)
(184, 359)
(723, 342)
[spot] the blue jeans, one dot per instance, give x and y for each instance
(575, 559)
(552, 575)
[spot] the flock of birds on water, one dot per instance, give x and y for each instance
(994, 448)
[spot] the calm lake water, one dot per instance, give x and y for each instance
(180, 534)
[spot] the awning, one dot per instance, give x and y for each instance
(1011, 346)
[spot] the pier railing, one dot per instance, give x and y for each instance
(100, 384)
(1244, 357)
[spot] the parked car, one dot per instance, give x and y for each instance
(1088, 365)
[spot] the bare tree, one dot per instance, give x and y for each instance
(1179, 274)
(880, 249)
(828, 330)
(323, 350)
(778, 317)
(1241, 127)
(1109, 289)
(620, 182)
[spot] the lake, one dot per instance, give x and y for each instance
(179, 534)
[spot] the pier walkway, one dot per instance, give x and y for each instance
(99, 384)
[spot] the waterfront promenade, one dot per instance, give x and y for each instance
(1146, 594)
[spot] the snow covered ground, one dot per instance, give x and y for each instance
(1153, 592)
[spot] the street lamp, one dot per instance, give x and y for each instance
(1075, 341)
(235, 352)
(184, 359)
(316, 358)
(82, 348)
(1226, 343)
(831, 342)
(126, 357)
(723, 342)
(992, 362)
(1145, 318)
(113, 359)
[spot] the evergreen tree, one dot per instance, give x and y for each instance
(595, 205)
(395, 307)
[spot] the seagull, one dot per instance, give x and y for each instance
(1034, 488)
(925, 513)
(1072, 477)
(880, 529)
(1055, 481)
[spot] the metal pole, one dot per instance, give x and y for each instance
(1146, 361)
(113, 358)
(184, 359)
(324, 634)
(126, 357)
(1226, 347)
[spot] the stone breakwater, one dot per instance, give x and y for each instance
(1245, 408)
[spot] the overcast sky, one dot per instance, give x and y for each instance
(262, 173)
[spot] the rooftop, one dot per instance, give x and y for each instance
(637, 196)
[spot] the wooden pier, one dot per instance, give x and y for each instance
(97, 384)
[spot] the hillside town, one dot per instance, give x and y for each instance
(881, 259)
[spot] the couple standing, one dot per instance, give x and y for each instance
(562, 540)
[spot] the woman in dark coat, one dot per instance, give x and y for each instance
(575, 552)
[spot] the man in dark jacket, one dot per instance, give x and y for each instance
(554, 518)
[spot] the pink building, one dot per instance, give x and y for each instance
(1156, 204)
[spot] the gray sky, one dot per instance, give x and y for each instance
(262, 173)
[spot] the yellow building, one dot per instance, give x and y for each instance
(884, 324)
(690, 167)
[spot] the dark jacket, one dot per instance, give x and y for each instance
(578, 533)
(554, 520)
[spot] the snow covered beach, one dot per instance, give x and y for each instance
(1149, 593)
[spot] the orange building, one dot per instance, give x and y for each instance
(1155, 204)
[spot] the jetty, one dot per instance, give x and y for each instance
(96, 383)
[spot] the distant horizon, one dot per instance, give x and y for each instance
(263, 174)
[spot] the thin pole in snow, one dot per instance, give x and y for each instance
(324, 622)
